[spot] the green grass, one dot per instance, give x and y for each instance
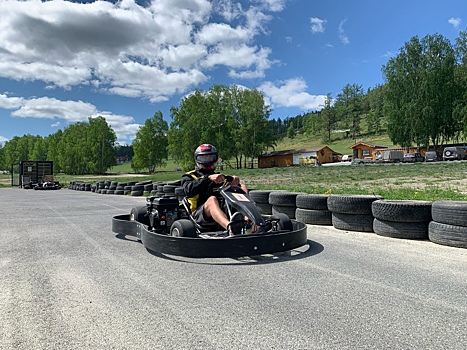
(437, 181)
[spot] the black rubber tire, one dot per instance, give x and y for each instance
(183, 228)
(127, 188)
(406, 230)
(139, 214)
(136, 193)
(137, 188)
(450, 212)
(402, 210)
(284, 221)
(312, 201)
(313, 217)
(260, 196)
(283, 198)
(353, 222)
(445, 234)
(289, 211)
(110, 191)
(169, 188)
(120, 192)
(145, 182)
(160, 188)
(264, 208)
(351, 203)
(147, 187)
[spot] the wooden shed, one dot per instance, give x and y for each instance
(366, 150)
(304, 156)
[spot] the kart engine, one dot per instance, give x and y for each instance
(162, 212)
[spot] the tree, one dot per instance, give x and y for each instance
(291, 131)
(328, 119)
(420, 92)
(100, 143)
(349, 107)
(150, 144)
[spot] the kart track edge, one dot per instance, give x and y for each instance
(238, 246)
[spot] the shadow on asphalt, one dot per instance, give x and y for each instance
(309, 249)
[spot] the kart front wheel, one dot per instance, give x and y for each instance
(183, 228)
(140, 214)
(284, 221)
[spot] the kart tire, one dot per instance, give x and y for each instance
(284, 221)
(136, 193)
(406, 230)
(183, 228)
(312, 201)
(137, 188)
(450, 212)
(148, 187)
(139, 214)
(402, 210)
(280, 209)
(352, 222)
(120, 192)
(314, 217)
(351, 203)
(450, 235)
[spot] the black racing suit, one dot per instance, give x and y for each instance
(198, 188)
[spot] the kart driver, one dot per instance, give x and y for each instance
(199, 184)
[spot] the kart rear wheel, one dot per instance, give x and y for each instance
(284, 221)
(183, 228)
(140, 214)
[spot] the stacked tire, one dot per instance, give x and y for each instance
(449, 225)
(283, 202)
(352, 212)
(261, 198)
(401, 218)
(313, 209)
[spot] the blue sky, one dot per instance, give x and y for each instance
(62, 62)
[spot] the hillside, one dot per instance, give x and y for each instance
(341, 146)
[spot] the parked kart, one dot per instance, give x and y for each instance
(165, 225)
(55, 185)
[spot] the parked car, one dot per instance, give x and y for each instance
(453, 153)
(413, 157)
(347, 158)
(433, 156)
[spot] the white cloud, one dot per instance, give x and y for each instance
(455, 22)
(342, 36)
(292, 93)
(68, 112)
(317, 25)
(3, 139)
(149, 51)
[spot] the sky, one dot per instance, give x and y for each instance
(62, 62)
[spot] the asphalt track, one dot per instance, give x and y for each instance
(68, 283)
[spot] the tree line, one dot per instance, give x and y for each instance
(422, 102)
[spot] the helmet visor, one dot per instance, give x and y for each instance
(206, 158)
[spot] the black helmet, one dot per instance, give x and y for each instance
(206, 157)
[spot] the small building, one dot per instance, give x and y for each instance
(34, 171)
(304, 156)
(366, 150)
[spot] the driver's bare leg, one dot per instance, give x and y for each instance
(213, 210)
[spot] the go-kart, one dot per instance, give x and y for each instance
(165, 225)
(50, 185)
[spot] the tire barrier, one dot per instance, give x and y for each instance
(442, 222)
(352, 212)
(261, 198)
(401, 218)
(449, 225)
(313, 209)
(283, 202)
